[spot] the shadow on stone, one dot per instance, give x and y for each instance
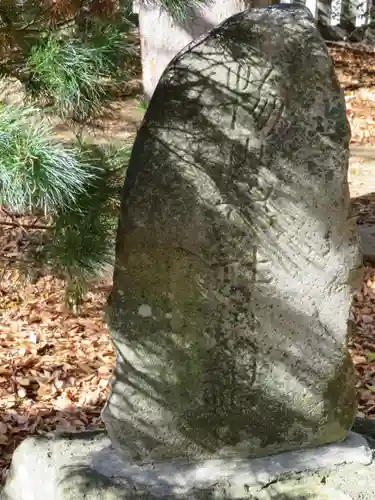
(236, 251)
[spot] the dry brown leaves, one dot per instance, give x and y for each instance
(364, 207)
(54, 365)
(57, 10)
(356, 72)
(362, 345)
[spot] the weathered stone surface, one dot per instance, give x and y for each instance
(236, 251)
(84, 466)
(366, 233)
(162, 37)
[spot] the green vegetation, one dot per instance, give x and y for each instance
(70, 57)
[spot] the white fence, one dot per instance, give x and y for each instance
(334, 11)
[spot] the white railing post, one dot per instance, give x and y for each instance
(361, 12)
(336, 7)
(313, 6)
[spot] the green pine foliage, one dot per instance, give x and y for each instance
(36, 173)
(180, 9)
(80, 244)
(67, 75)
(69, 56)
(70, 74)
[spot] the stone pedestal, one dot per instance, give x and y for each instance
(84, 466)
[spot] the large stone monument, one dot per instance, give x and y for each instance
(236, 260)
(236, 251)
(162, 36)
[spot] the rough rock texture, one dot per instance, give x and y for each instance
(83, 466)
(162, 37)
(366, 233)
(236, 251)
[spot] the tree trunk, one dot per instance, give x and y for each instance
(162, 37)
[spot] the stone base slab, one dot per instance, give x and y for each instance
(83, 465)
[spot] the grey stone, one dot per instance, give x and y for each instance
(236, 252)
(332, 33)
(369, 38)
(84, 466)
(365, 427)
(366, 233)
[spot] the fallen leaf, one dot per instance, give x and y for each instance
(63, 402)
(44, 390)
(21, 392)
(23, 381)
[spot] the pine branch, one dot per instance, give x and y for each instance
(65, 66)
(180, 10)
(36, 174)
(69, 73)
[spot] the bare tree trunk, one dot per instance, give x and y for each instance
(162, 37)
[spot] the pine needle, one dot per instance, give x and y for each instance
(36, 173)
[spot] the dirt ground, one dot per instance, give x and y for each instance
(55, 365)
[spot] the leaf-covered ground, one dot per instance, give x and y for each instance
(362, 344)
(55, 366)
(356, 72)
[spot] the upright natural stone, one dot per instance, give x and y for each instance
(236, 253)
(162, 37)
